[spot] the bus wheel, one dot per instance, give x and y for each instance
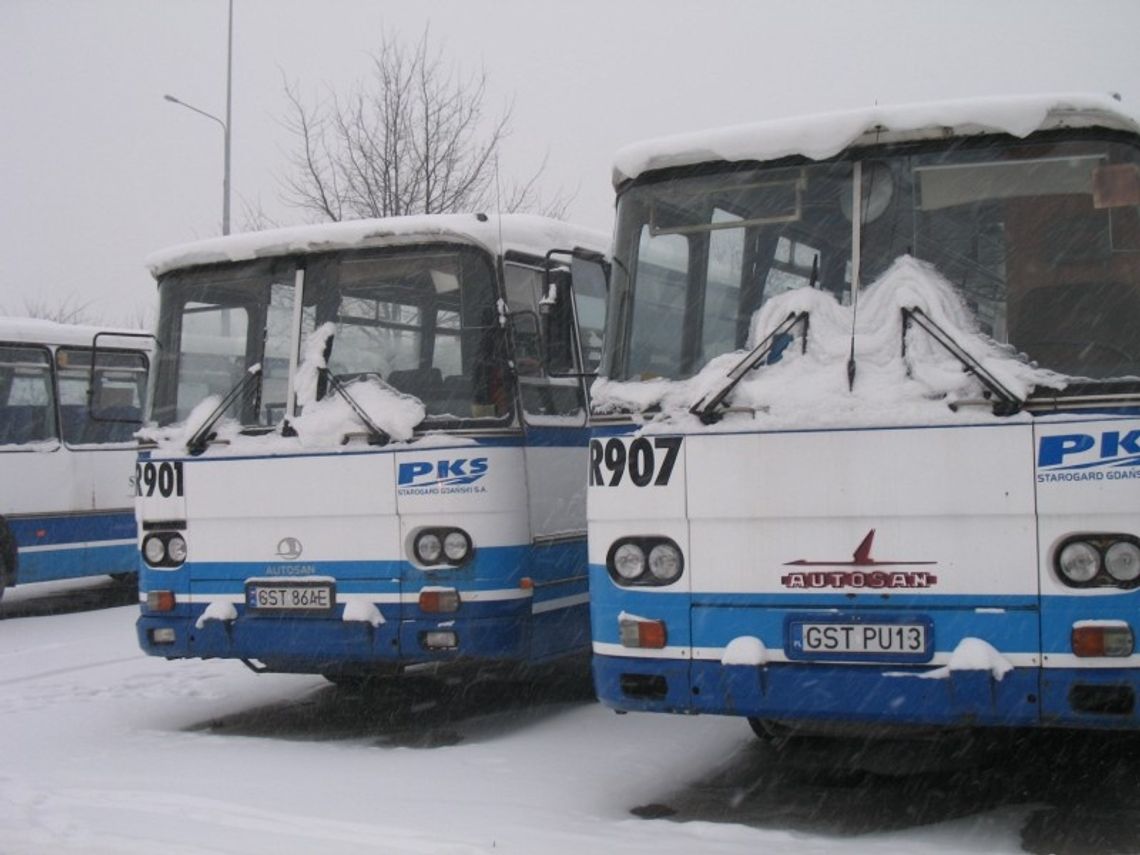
(766, 730)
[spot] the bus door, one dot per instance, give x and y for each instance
(553, 415)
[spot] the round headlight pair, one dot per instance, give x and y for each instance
(645, 561)
(1100, 561)
(442, 546)
(164, 550)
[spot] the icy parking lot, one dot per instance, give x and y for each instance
(103, 749)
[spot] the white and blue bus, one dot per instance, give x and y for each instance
(866, 440)
(368, 445)
(71, 398)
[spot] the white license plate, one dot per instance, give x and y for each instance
(297, 597)
(869, 638)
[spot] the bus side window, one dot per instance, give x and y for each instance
(27, 413)
(112, 412)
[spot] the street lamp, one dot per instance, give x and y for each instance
(225, 124)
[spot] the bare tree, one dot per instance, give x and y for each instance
(65, 310)
(411, 138)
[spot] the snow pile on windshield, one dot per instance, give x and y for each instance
(810, 387)
(332, 418)
(322, 423)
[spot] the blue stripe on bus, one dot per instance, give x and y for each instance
(63, 529)
(547, 436)
(77, 561)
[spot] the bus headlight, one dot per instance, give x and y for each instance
(629, 561)
(1122, 561)
(449, 547)
(164, 549)
(665, 562)
(645, 561)
(1102, 560)
(154, 550)
(176, 549)
(456, 546)
(428, 547)
(1079, 562)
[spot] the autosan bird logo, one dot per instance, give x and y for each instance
(289, 548)
(866, 576)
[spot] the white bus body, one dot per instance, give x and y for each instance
(878, 469)
(67, 496)
(404, 481)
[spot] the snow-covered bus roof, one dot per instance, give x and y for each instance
(520, 232)
(37, 331)
(824, 135)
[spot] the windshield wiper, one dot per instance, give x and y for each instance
(376, 434)
(769, 349)
(202, 436)
(1005, 402)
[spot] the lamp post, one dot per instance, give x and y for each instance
(225, 124)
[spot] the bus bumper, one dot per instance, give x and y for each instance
(798, 692)
(316, 645)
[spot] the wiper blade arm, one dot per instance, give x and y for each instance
(706, 408)
(376, 434)
(201, 437)
(1005, 403)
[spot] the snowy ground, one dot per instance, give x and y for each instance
(103, 749)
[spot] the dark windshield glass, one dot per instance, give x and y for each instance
(1042, 241)
(423, 321)
(214, 324)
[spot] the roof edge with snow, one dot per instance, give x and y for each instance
(520, 232)
(825, 135)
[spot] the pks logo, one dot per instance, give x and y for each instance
(454, 472)
(1110, 455)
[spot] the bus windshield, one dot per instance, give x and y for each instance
(1041, 240)
(423, 320)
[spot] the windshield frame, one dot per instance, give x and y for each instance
(634, 214)
(182, 286)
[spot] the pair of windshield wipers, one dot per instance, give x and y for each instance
(710, 408)
(201, 438)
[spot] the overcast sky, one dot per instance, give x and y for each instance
(97, 170)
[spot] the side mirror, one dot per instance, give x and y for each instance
(573, 308)
(527, 343)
